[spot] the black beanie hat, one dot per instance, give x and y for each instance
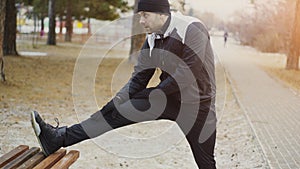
(159, 6)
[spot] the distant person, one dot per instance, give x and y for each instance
(225, 38)
(180, 47)
(42, 33)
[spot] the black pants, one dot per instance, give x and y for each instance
(199, 127)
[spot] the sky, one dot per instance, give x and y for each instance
(222, 8)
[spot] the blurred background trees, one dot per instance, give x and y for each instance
(268, 25)
(68, 11)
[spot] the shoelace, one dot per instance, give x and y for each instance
(57, 122)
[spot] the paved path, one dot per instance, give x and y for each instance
(272, 109)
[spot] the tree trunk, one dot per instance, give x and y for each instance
(294, 50)
(69, 25)
(89, 26)
(51, 14)
(61, 24)
(10, 29)
(2, 21)
(137, 38)
(42, 26)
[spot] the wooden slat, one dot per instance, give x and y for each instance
(22, 158)
(67, 160)
(33, 161)
(8, 157)
(51, 159)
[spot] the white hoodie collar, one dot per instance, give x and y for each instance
(179, 22)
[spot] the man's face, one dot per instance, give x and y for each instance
(152, 22)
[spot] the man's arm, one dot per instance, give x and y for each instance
(140, 77)
(139, 80)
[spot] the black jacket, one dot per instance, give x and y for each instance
(185, 57)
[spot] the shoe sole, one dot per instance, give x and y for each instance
(37, 131)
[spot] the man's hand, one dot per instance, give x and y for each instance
(144, 94)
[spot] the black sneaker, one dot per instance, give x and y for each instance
(50, 138)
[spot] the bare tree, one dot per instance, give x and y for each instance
(10, 29)
(69, 25)
(51, 13)
(294, 50)
(137, 38)
(2, 21)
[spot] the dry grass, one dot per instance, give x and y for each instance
(45, 82)
(274, 65)
(289, 77)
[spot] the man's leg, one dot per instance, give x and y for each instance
(52, 138)
(198, 125)
(203, 152)
(200, 131)
(100, 123)
(130, 112)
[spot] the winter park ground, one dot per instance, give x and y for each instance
(44, 83)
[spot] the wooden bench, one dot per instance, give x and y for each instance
(24, 158)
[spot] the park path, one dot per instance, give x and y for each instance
(271, 108)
